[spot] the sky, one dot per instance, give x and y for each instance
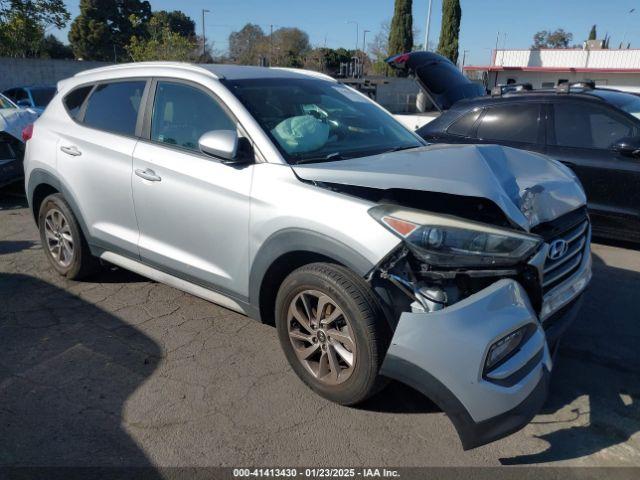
(326, 21)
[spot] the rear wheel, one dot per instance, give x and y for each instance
(62, 240)
(333, 332)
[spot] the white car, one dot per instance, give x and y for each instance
(293, 199)
(13, 120)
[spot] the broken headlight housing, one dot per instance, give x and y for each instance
(449, 242)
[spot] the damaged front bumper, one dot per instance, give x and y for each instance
(443, 355)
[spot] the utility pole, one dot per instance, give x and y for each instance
(464, 57)
(355, 53)
(364, 49)
(204, 37)
(270, 44)
(426, 35)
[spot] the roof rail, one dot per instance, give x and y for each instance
(128, 66)
(310, 73)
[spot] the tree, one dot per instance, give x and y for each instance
(289, 46)
(20, 36)
(244, 44)
(162, 44)
(43, 12)
(556, 39)
(176, 21)
(54, 48)
(401, 30)
(593, 35)
(105, 27)
(450, 29)
(23, 23)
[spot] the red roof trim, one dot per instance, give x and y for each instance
(493, 68)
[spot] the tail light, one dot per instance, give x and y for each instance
(27, 132)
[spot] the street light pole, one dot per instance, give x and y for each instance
(426, 35)
(204, 36)
(355, 53)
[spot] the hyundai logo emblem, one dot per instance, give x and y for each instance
(558, 249)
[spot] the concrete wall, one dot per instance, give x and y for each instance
(34, 71)
(398, 95)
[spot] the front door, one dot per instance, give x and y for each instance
(192, 209)
(580, 135)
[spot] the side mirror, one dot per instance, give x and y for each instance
(628, 146)
(222, 144)
(24, 103)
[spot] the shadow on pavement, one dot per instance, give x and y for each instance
(67, 369)
(7, 246)
(13, 197)
(595, 390)
(399, 398)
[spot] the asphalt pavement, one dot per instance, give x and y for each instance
(122, 371)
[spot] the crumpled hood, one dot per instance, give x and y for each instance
(528, 187)
(13, 120)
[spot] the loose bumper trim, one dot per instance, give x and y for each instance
(442, 354)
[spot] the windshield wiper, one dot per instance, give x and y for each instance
(398, 149)
(329, 158)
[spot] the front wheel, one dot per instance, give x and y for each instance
(333, 332)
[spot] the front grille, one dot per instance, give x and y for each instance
(573, 228)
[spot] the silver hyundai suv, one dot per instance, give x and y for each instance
(291, 198)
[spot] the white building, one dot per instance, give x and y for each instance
(546, 68)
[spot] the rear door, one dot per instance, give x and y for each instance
(193, 210)
(580, 134)
(95, 158)
(517, 124)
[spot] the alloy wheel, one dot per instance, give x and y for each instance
(321, 336)
(59, 238)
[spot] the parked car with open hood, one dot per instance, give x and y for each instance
(13, 121)
(594, 131)
(286, 196)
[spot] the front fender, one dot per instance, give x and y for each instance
(300, 240)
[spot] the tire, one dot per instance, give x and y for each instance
(62, 240)
(356, 312)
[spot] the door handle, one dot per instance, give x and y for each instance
(71, 150)
(148, 174)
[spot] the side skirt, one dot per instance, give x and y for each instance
(162, 277)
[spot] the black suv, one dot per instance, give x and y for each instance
(596, 132)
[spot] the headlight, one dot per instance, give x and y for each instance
(450, 242)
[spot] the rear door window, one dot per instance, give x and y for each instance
(114, 107)
(518, 122)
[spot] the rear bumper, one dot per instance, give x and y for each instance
(442, 354)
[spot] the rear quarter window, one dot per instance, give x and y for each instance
(74, 100)
(463, 125)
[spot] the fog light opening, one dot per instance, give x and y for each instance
(504, 348)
